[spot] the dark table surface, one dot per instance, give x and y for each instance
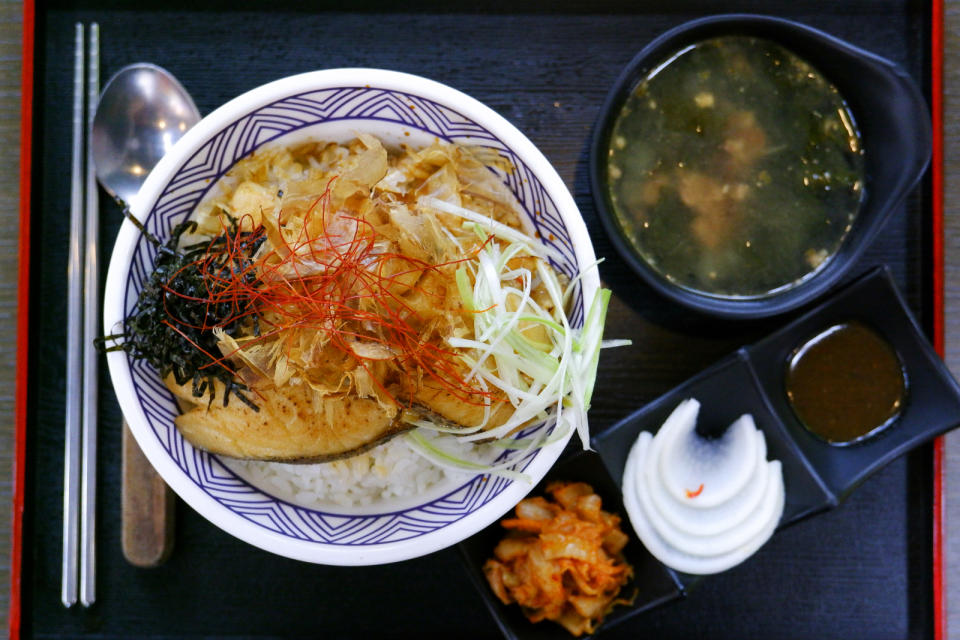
(849, 573)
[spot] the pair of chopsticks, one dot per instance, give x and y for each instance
(80, 449)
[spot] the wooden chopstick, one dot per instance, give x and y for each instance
(91, 317)
(72, 441)
(83, 306)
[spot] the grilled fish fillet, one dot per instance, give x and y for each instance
(293, 426)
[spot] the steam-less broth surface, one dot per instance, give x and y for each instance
(735, 168)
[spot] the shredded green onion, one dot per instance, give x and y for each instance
(552, 379)
(446, 459)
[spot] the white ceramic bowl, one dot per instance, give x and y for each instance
(328, 105)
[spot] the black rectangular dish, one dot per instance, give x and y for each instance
(862, 570)
(818, 475)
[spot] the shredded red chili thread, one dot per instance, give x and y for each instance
(337, 282)
(694, 494)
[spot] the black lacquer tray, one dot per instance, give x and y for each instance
(863, 570)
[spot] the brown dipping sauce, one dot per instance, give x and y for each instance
(846, 383)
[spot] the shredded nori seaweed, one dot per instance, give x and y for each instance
(148, 336)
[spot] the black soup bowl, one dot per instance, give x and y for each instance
(887, 106)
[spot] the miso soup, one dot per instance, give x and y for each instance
(735, 168)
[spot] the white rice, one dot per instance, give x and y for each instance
(388, 472)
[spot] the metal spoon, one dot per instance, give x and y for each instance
(142, 112)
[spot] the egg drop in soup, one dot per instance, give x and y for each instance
(735, 168)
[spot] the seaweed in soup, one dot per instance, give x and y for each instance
(736, 168)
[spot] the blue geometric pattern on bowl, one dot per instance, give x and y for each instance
(187, 188)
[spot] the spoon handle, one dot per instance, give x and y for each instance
(147, 508)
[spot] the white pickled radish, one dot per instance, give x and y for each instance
(705, 472)
(702, 539)
(727, 515)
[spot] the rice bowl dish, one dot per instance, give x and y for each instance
(288, 508)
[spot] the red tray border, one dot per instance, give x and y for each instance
(936, 93)
(23, 297)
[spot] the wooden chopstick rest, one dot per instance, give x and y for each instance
(147, 508)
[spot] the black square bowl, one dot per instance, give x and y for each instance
(725, 391)
(653, 583)
(932, 405)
